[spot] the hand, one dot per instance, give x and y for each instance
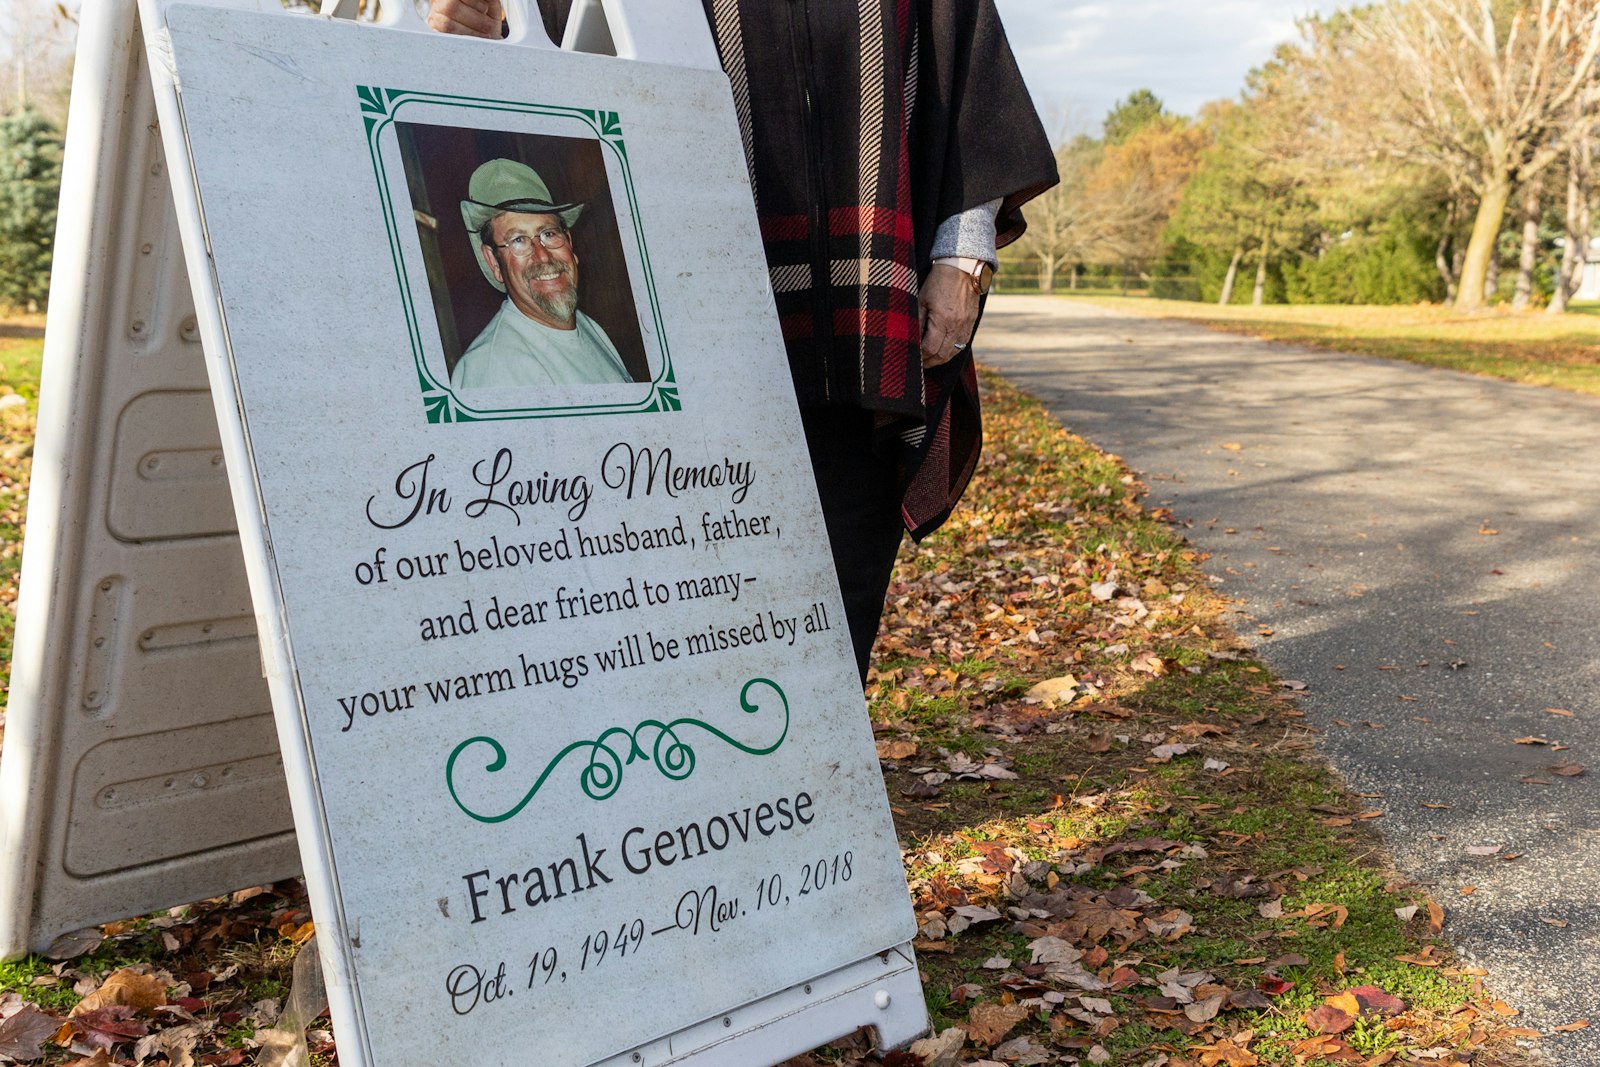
(949, 311)
(474, 18)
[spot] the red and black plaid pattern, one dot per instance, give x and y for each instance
(863, 315)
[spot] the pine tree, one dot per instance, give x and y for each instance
(30, 186)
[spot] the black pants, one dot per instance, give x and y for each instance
(858, 485)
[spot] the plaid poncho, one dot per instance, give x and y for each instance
(866, 123)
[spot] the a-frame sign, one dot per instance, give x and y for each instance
(549, 673)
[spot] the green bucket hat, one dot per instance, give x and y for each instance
(502, 185)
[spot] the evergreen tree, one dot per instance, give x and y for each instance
(30, 186)
(1127, 117)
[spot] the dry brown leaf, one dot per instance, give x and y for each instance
(1226, 1054)
(1567, 770)
(1326, 1019)
(896, 750)
(1558, 711)
(943, 1050)
(1569, 1028)
(1435, 918)
(141, 992)
(989, 1023)
(99, 1059)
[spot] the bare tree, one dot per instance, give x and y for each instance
(1532, 205)
(1580, 223)
(1484, 89)
(1060, 223)
(36, 47)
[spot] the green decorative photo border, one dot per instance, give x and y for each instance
(379, 108)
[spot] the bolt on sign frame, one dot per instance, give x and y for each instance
(501, 628)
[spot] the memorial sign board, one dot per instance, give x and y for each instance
(561, 679)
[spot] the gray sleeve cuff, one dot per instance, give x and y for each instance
(970, 234)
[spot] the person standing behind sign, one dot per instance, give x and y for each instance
(891, 144)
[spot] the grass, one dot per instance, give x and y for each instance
(21, 354)
(1051, 570)
(1562, 351)
(1050, 518)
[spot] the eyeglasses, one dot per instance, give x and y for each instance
(551, 238)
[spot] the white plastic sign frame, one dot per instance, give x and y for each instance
(141, 766)
(466, 741)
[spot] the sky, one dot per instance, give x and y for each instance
(1081, 56)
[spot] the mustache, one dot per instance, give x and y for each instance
(548, 272)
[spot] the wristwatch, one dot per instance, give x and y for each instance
(978, 271)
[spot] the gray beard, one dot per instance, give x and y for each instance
(560, 308)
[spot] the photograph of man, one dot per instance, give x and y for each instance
(525, 249)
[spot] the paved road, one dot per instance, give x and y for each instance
(1422, 548)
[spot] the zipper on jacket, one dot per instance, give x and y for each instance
(821, 268)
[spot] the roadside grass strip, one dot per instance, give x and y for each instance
(1561, 351)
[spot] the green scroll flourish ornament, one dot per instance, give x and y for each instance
(601, 776)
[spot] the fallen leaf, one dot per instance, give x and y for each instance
(1435, 918)
(941, 1051)
(1567, 770)
(1203, 1011)
(1061, 690)
(1373, 998)
(974, 914)
(989, 1023)
(99, 1059)
(1345, 1003)
(104, 1027)
(1325, 1019)
(1569, 1028)
(1482, 850)
(140, 992)
(75, 944)
(1532, 741)
(1164, 753)
(1558, 711)
(1226, 1054)
(1252, 999)
(1148, 663)
(22, 1035)
(896, 750)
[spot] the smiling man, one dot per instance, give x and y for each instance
(525, 250)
